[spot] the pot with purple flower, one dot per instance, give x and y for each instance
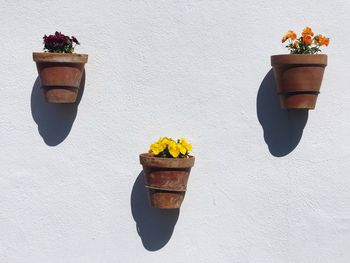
(60, 69)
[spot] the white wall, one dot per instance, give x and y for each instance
(266, 186)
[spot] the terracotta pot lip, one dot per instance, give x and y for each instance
(148, 159)
(299, 59)
(297, 55)
(48, 57)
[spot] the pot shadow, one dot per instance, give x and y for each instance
(54, 120)
(154, 226)
(283, 129)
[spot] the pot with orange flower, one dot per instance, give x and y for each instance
(299, 74)
(60, 70)
(166, 168)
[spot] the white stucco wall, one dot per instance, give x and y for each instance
(266, 186)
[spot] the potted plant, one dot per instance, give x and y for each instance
(299, 74)
(166, 168)
(60, 70)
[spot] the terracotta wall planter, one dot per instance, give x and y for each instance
(166, 179)
(298, 78)
(60, 75)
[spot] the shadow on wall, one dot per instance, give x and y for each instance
(154, 226)
(283, 129)
(54, 120)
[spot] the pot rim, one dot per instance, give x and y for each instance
(299, 55)
(299, 59)
(147, 159)
(48, 57)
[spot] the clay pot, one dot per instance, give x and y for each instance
(166, 179)
(60, 75)
(298, 78)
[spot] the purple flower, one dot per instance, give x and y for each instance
(59, 43)
(75, 40)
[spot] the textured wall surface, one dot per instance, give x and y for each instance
(268, 186)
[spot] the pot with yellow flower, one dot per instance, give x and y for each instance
(299, 74)
(166, 168)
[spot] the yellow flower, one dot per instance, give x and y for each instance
(156, 148)
(164, 141)
(159, 146)
(167, 147)
(182, 149)
(173, 149)
(186, 144)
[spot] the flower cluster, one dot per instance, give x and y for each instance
(60, 43)
(307, 43)
(169, 148)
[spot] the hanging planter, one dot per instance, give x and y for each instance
(60, 70)
(166, 168)
(299, 74)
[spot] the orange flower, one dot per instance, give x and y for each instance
(321, 40)
(307, 31)
(324, 41)
(307, 39)
(289, 35)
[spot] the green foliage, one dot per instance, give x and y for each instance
(302, 47)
